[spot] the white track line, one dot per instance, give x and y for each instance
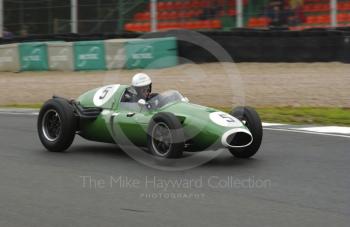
(266, 124)
(306, 132)
(327, 129)
(18, 113)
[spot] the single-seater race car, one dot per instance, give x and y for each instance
(167, 124)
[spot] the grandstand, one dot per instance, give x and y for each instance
(186, 14)
(22, 17)
(316, 14)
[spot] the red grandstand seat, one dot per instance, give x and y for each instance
(138, 27)
(347, 6)
(169, 5)
(187, 5)
(253, 22)
(163, 25)
(129, 26)
(172, 25)
(215, 24)
(323, 19)
(163, 15)
(197, 24)
(195, 4)
(181, 14)
(137, 16)
(326, 19)
(172, 15)
(161, 5)
(182, 5)
(145, 27)
(231, 12)
(191, 13)
(197, 13)
(311, 19)
(189, 25)
(342, 17)
(207, 24)
(263, 21)
(201, 4)
(325, 7)
(231, 3)
(307, 8)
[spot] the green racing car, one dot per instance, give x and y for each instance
(166, 125)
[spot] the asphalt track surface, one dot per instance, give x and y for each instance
(306, 175)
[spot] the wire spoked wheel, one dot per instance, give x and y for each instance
(161, 139)
(165, 136)
(51, 125)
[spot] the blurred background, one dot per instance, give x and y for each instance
(24, 17)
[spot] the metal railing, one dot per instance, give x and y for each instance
(23, 17)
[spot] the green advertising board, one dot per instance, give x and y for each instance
(89, 55)
(151, 53)
(33, 56)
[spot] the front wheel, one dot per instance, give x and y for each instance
(252, 121)
(56, 125)
(165, 136)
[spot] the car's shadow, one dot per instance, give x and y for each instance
(110, 151)
(98, 150)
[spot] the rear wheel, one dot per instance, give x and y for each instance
(252, 121)
(56, 125)
(165, 136)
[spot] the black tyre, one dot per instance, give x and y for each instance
(252, 121)
(57, 125)
(165, 137)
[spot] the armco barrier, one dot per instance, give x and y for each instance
(9, 58)
(115, 53)
(33, 56)
(151, 53)
(89, 55)
(345, 51)
(60, 56)
(249, 45)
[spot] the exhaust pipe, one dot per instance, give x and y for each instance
(237, 138)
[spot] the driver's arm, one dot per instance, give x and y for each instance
(129, 96)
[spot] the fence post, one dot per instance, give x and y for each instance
(1, 18)
(239, 16)
(333, 5)
(74, 16)
(153, 15)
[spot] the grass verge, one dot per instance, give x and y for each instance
(290, 115)
(23, 106)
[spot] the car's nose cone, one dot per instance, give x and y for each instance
(237, 138)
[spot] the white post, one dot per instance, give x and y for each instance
(239, 15)
(153, 15)
(334, 9)
(74, 16)
(1, 18)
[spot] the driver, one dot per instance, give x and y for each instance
(141, 88)
(142, 84)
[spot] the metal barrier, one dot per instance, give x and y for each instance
(89, 55)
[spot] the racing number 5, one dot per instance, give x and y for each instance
(105, 92)
(227, 118)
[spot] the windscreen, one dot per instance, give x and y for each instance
(165, 98)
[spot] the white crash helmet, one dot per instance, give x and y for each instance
(141, 80)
